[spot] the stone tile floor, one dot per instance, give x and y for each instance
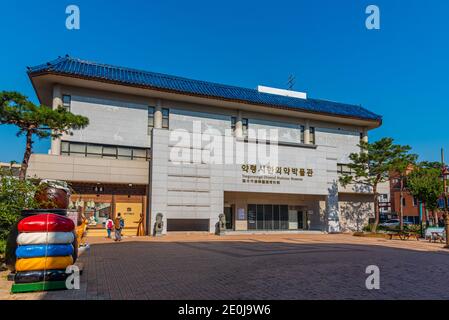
(281, 266)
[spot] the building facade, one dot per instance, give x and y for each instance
(267, 159)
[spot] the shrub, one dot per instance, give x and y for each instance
(2, 247)
(15, 195)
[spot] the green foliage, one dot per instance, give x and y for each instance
(15, 195)
(42, 121)
(2, 247)
(373, 165)
(33, 120)
(407, 228)
(424, 183)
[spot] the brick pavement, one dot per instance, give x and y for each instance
(288, 266)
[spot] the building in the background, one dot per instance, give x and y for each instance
(410, 204)
(13, 168)
(192, 150)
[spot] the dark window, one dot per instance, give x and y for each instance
(245, 125)
(66, 102)
(233, 122)
(302, 133)
(312, 135)
(260, 225)
(268, 217)
(403, 202)
(188, 224)
(415, 201)
(150, 119)
(165, 118)
(252, 217)
(284, 217)
(276, 218)
(76, 149)
(344, 169)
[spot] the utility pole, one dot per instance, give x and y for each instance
(444, 174)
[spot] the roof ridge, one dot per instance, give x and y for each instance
(131, 76)
(164, 75)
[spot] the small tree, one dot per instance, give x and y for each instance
(401, 167)
(372, 166)
(424, 183)
(41, 121)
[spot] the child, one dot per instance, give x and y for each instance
(109, 226)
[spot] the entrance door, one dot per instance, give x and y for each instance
(229, 215)
(302, 220)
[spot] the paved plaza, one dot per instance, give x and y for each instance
(287, 266)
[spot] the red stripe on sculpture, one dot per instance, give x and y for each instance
(46, 223)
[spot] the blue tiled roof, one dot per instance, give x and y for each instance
(132, 77)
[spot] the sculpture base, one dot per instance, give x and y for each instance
(221, 233)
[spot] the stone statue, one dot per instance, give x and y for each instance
(221, 224)
(158, 225)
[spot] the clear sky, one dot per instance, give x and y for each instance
(400, 71)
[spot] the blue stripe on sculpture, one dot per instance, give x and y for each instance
(50, 250)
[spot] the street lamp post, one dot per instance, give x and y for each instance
(444, 175)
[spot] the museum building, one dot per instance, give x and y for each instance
(192, 150)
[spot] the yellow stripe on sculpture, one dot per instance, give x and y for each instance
(48, 263)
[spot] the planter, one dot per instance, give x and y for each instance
(370, 235)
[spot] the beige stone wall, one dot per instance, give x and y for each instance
(355, 211)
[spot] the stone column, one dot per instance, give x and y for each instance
(57, 102)
(307, 132)
(158, 115)
(365, 135)
(239, 125)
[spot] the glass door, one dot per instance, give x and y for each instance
(228, 212)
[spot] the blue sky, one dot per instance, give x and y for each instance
(400, 71)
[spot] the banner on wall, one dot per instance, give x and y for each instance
(130, 213)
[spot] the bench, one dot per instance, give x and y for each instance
(435, 234)
(404, 235)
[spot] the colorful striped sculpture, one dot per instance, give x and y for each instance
(45, 248)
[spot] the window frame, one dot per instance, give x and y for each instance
(166, 117)
(67, 106)
(312, 135)
(66, 150)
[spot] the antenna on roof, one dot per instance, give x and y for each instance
(291, 82)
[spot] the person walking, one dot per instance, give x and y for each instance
(118, 227)
(109, 226)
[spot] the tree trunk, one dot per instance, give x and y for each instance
(435, 217)
(401, 207)
(26, 155)
(376, 210)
